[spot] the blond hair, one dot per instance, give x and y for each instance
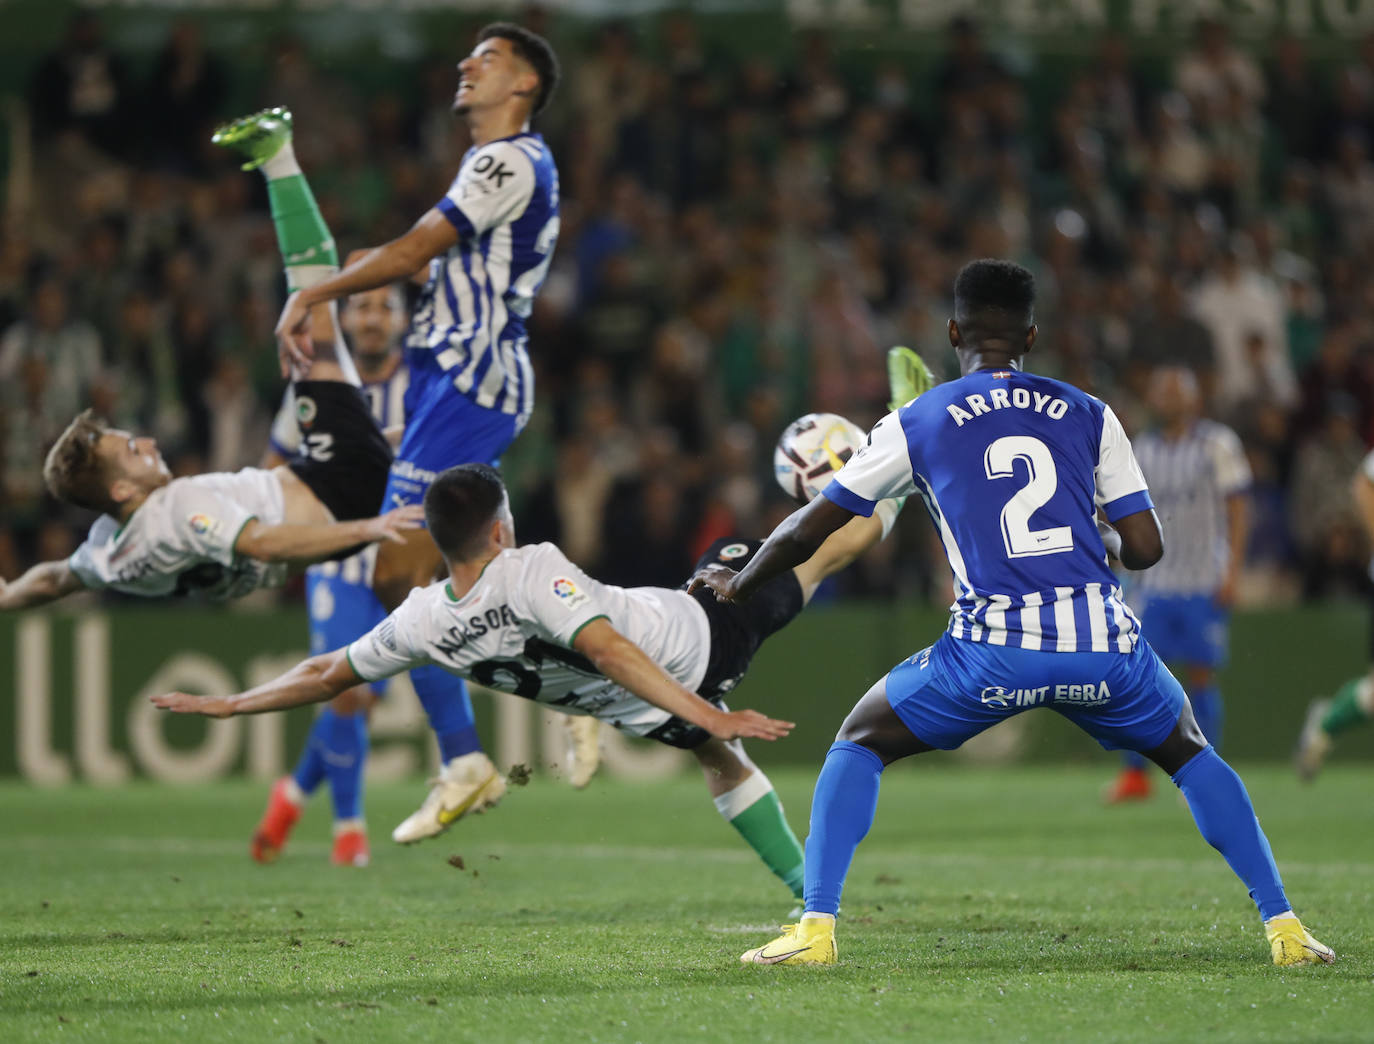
(74, 471)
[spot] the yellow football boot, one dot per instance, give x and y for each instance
(806, 942)
(907, 376)
(1290, 943)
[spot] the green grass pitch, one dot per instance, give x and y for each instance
(986, 906)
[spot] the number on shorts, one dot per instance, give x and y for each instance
(1000, 462)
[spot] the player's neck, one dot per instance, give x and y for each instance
(463, 576)
(488, 125)
(1176, 429)
(127, 509)
(990, 360)
(374, 369)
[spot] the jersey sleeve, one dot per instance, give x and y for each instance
(394, 645)
(557, 595)
(881, 468)
(1121, 486)
(91, 561)
(494, 187)
(206, 522)
(1229, 462)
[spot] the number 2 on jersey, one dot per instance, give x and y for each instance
(1000, 462)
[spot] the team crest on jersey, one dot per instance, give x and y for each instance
(730, 551)
(306, 411)
(568, 593)
(202, 524)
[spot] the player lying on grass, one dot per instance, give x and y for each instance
(650, 661)
(1013, 469)
(1353, 704)
(222, 535)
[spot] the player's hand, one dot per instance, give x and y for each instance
(748, 724)
(393, 525)
(294, 347)
(185, 703)
(718, 578)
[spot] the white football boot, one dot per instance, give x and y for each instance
(468, 783)
(584, 748)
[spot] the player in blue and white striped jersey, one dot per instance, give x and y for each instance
(1199, 479)
(485, 248)
(1013, 469)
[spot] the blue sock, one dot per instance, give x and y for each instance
(1226, 819)
(1209, 713)
(841, 813)
(445, 699)
(1131, 760)
(310, 769)
(345, 754)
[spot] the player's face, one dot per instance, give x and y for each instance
(490, 76)
(374, 322)
(1174, 395)
(134, 460)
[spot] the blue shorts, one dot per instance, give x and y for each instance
(956, 689)
(342, 610)
(1188, 629)
(443, 428)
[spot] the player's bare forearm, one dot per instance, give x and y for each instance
(315, 680)
(1238, 534)
(1142, 539)
(626, 664)
(399, 259)
(798, 537)
(43, 583)
(1362, 489)
(305, 543)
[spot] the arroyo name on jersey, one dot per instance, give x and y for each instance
(1012, 468)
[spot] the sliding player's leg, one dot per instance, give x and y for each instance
(1148, 712)
(745, 797)
(1351, 707)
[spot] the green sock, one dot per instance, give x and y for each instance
(1347, 709)
(307, 246)
(754, 810)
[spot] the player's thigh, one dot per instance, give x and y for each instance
(414, 561)
(446, 429)
(949, 693)
(1129, 702)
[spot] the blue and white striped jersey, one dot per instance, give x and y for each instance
(1012, 468)
(1191, 479)
(470, 321)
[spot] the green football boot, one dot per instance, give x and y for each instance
(907, 376)
(258, 137)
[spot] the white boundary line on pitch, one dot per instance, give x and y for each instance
(671, 854)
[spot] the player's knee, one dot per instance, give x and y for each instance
(1182, 745)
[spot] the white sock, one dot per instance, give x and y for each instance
(813, 916)
(1286, 913)
(294, 793)
(282, 164)
(343, 826)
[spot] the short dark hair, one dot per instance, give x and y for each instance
(459, 506)
(994, 298)
(532, 48)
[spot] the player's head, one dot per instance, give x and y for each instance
(1174, 395)
(374, 321)
(994, 313)
(509, 65)
(468, 513)
(95, 466)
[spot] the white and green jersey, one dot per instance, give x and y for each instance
(514, 631)
(181, 539)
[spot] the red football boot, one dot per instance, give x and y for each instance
(276, 823)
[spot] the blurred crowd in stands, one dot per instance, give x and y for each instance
(741, 242)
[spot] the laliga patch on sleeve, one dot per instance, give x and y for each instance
(569, 593)
(203, 525)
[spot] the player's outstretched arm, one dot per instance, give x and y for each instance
(624, 662)
(846, 544)
(292, 542)
(798, 537)
(1142, 539)
(45, 582)
(428, 238)
(315, 680)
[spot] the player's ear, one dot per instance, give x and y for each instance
(1030, 336)
(955, 337)
(121, 490)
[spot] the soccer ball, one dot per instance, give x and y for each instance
(811, 450)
